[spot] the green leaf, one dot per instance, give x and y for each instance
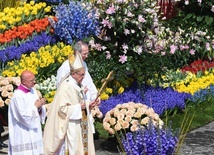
(188, 16)
(208, 20)
(199, 18)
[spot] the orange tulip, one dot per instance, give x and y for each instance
(23, 31)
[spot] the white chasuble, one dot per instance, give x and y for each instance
(63, 129)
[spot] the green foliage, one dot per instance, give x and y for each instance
(194, 14)
(100, 131)
(7, 3)
(205, 108)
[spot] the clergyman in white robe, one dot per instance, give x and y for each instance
(25, 131)
(87, 81)
(63, 126)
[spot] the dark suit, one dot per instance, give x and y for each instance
(1, 127)
(3, 121)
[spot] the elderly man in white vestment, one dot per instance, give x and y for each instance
(69, 128)
(26, 113)
(87, 81)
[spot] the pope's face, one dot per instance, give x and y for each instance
(78, 76)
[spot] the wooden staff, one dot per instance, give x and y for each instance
(105, 81)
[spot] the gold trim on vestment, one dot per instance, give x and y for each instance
(66, 152)
(84, 125)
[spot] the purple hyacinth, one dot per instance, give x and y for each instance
(131, 95)
(161, 99)
(150, 141)
(14, 52)
(158, 98)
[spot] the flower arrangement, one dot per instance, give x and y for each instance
(75, 21)
(128, 20)
(183, 79)
(23, 29)
(96, 113)
(40, 62)
(143, 47)
(152, 140)
(125, 25)
(199, 45)
(158, 98)
(198, 66)
(7, 86)
(22, 32)
(22, 14)
(149, 141)
(47, 88)
(192, 83)
(13, 52)
(130, 117)
(162, 100)
(202, 94)
(132, 42)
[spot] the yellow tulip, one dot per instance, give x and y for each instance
(47, 9)
(109, 90)
(34, 12)
(120, 90)
(2, 27)
(32, 2)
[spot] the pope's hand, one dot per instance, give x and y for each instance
(83, 105)
(94, 103)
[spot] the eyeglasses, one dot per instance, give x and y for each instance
(80, 74)
(33, 80)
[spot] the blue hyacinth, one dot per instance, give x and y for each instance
(202, 94)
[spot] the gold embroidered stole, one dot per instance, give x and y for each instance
(84, 125)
